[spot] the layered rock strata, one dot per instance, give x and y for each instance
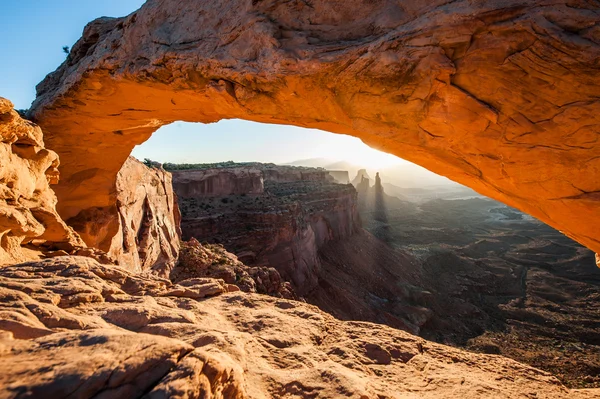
(283, 228)
(72, 327)
(29, 223)
(231, 178)
(501, 96)
(142, 231)
(218, 182)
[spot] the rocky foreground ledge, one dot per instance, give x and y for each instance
(72, 327)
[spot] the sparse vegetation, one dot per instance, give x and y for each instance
(152, 164)
(230, 164)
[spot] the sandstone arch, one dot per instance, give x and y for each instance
(499, 95)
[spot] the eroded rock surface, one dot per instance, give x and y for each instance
(298, 211)
(499, 95)
(231, 178)
(29, 223)
(218, 182)
(141, 231)
(211, 260)
(71, 326)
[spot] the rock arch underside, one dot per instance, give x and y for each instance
(502, 96)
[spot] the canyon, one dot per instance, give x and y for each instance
(274, 216)
(71, 326)
(483, 276)
(100, 298)
(464, 272)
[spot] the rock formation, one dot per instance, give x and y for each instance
(72, 327)
(378, 187)
(212, 260)
(361, 176)
(283, 227)
(499, 95)
(142, 231)
(217, 182)
(29, 223)
(288, 174)
(363, 186)
(340, 176)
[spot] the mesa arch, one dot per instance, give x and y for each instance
(502, 96)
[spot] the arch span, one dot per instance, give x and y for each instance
(500, 95)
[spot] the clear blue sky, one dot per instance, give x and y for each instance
(33, 33)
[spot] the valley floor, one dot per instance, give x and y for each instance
(501, 281)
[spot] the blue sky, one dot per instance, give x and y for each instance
(33, 33)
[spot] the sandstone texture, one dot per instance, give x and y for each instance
(72, 327)
(499, 95)
(29, 223)
(282, 228)
(212, 260)
(141, 231)
(231, 178)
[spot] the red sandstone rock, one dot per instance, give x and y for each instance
(143, 234)
(499, 95)
(27, 203)
(197, 260)
(218, 182)
(282, 228)
(84, 330)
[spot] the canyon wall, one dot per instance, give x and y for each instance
(284, 227)
(217, 182)
(29, 223)
(142, 231)
(340, 176)
(287, 174)
(499, 95)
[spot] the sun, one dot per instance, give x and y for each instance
(352, 150)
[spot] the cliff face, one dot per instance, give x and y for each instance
(142, 230)
(499, 95)
(287, 174)
(29, 223)
(340, 176)
(282, 228)
(217, 182)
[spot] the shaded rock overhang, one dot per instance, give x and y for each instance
(502, 96)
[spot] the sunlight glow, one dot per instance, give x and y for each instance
(244, 141)
(339, 147)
